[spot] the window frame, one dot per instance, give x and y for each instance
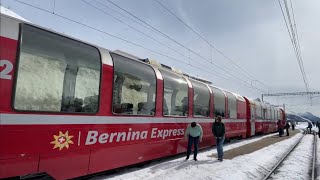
(186, 80)
(156, 85)
(227, 92)
(193, 115)
(213, 104)
(16, 73)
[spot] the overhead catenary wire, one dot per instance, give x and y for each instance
(296, 43)
(125, 40)
(207, 42)
(139, 31)
(294, 40)
(178, 43)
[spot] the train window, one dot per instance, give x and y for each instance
(219, 101)
(270, 112)
(232, 105)
(264, 111)
(134, 88)
(258, 110)
(175, 99)
(201, 99)
(252, 111)
(273, 113)
(56, 74)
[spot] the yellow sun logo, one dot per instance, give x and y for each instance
(62, 140)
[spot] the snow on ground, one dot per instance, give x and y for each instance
(297, 164)
(302, 125)
(318, 159)
(250, 166)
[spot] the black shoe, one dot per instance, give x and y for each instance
(221, 160)
(195, 159)
(187, 158)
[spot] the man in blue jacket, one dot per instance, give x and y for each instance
(218, 131)
(194, 134)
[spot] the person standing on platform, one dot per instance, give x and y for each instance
(287, 126)
(218, 131)
(318, 125)
(194, 134)
(309, 128)
(280, 127)
(293, 124)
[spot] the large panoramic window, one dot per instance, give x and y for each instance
(201, 99)
(134, 89)
(219, 102)
(175, 99)
(258, 111)
(232, 105)
(56, 74)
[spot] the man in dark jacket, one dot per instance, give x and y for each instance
(287, 126)
(309, 128)
(218, 131)
(280, 127)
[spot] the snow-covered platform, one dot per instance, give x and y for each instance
(253, 164)
(254, 146)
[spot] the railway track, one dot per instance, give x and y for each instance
(313, 167)
(314, 158)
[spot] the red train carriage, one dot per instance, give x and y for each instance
(70, 109)
(262, 117)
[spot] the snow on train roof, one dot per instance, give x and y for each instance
(10, 13)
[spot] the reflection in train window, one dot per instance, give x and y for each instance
(175, 100)
(232, 105)
(258, 110)
(201, 99)
(134, 89)
(264, 111)
(219, 101)
(56, 74)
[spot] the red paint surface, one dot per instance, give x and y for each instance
(8, 49)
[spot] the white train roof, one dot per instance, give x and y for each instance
(10, 13)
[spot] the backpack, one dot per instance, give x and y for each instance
(287, 126)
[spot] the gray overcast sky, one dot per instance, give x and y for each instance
(251, 32)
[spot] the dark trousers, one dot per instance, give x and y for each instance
(280, 130)
(195, 141)
(287, 131)
(309, 130)
(219, 142)
(292, 127)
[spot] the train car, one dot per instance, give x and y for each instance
(262, 117)
(69, 108)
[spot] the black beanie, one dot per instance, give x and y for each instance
(193, 124)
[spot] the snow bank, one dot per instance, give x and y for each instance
(249, 166)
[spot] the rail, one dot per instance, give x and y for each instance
(283, 158)
(314, 157)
